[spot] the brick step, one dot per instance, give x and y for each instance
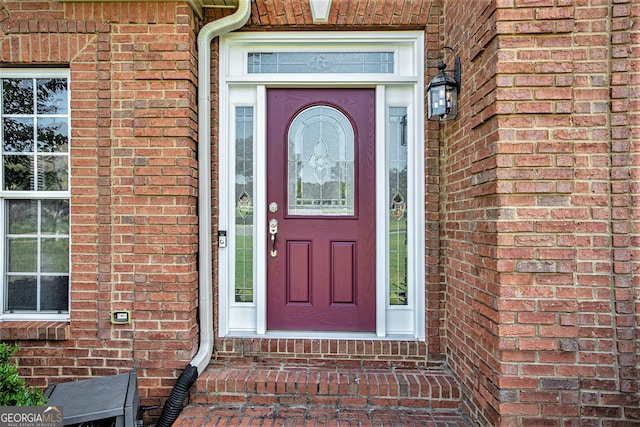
(275, 415)
(292, 385)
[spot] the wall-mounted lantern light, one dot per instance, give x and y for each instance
(442, 92)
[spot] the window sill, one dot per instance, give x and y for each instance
(23, 330)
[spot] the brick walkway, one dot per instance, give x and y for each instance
(198, 416)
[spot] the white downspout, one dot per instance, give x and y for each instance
(205, 293)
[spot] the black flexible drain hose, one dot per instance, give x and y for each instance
(175, 402)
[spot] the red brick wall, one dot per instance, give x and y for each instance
(532, 194)
(434, 280)
(541, 212)
(471, 208)
(133, 187)
(134, 176)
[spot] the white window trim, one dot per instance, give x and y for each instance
(402, 88)
(34, 195)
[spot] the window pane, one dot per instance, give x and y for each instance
(54, 294)
(22, 216)
(321, 163)
(244, 225)
(17, 135)
(17, 96)
(18, 173)
(23, 254)
(55, 217)
(244, 268)
(320, 62)
(52, 96)
(53, 135)
(22, 293)
(53, 173)
(398, 246)
(55, 256)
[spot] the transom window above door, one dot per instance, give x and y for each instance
(320, 62)
(322, 57)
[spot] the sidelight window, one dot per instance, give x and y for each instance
(244, 197)
(397, 164)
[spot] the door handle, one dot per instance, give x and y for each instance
(273, 231)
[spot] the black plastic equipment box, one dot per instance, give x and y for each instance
(96, 399)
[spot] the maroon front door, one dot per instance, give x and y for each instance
(321, 209)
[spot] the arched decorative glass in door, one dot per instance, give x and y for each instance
(321, 166)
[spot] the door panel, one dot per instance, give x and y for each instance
(321, 192)
(298, 279)
(343, 273)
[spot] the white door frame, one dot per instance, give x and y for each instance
(401, 88)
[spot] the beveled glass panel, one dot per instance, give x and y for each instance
(398, 244)
(320, 62)
(321, 163)
(244, 221)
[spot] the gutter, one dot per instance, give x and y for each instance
(205, 37)
(174, 404)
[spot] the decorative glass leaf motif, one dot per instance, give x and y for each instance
(398, 207)
(245, 205)
(321, 161)
(320, 63)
